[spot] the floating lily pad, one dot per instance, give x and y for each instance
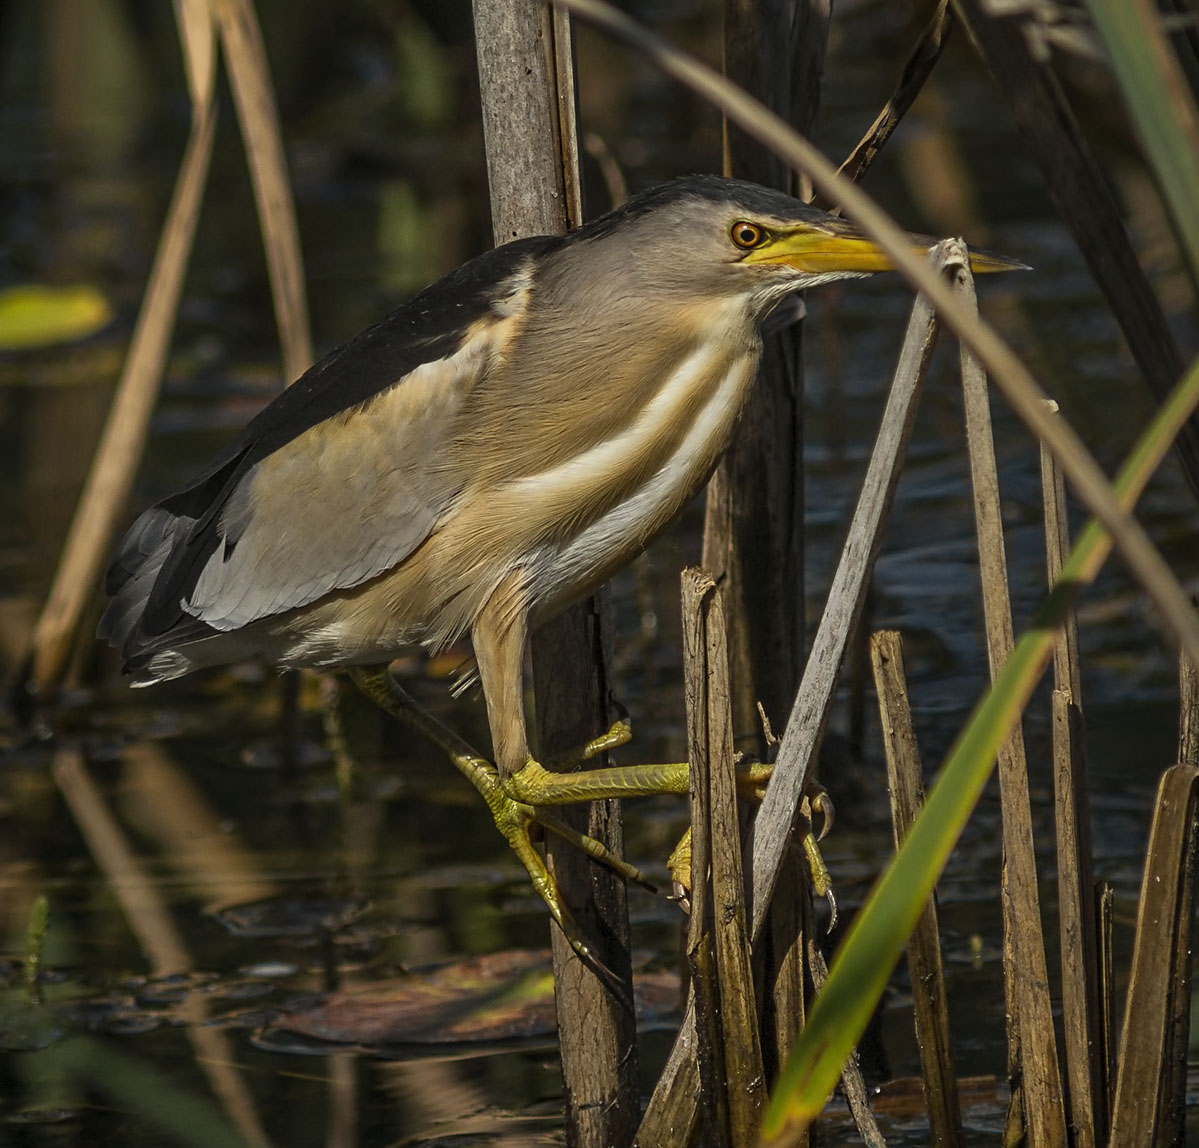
(502, 997)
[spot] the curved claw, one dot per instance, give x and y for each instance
(619, 733)
(822, 880)
(818, 802)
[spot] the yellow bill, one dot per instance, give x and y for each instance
(836, 245)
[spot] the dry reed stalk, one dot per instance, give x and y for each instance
(672, 1113)
(150, 920)
(813, 701)
(718, 920)
(1083, 198)
(520, 51)
(254, 97)
(852, 1083)
(1171, 1112)
(1033, 1063)
(1156, 1010)
(1105, 900)
(123, 439)
(1081, 1007)
(925, 971)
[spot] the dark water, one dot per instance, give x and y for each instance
(198, 890)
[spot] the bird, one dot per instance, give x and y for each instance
(490, 452)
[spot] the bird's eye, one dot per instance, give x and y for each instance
(747, 235)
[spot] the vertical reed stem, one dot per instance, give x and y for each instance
(521, 50)
(1032, 1049)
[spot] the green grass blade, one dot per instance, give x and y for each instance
(1161, 106)
(864, 962)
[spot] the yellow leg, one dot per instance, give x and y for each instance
(514, 819)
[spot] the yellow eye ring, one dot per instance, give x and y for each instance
(747, 235)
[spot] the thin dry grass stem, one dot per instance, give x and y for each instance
(149, 918)
(1083, 198)
(926, 974)
(254, 97)
(813, 701)
(1082, 1017)
(717, 939)
(1156, 1010)
(916, 71)
(1033, 1062)
(852, 1083)
(111, 477)
(523, 56)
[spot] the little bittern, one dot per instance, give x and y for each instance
(489, 453)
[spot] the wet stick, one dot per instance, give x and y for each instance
(926, 974)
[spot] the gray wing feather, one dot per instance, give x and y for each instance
(347, 500)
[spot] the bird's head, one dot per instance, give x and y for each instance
(708, 237)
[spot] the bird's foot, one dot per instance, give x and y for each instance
(519, 822)
(751, 781)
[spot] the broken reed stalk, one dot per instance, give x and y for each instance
(1082, 1014)
(732, 1080)
(1171, 1111)
(520, 52)
(753, 541)
(1032, 1055)
(1156, 1009)
(905, 779)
